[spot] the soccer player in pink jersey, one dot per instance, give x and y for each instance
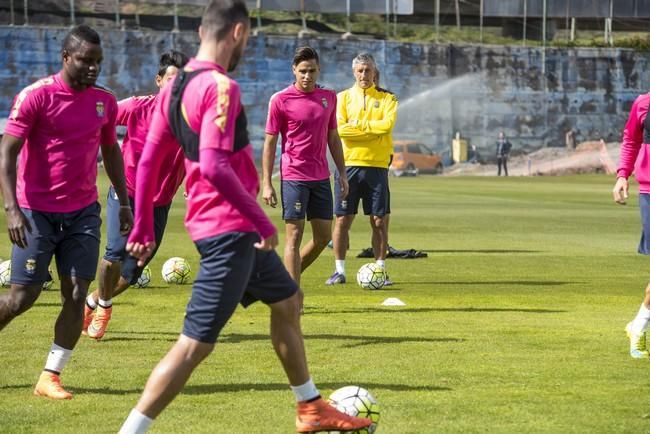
(635, 158)
(118, 270)
(234, 237)
(57, 125)
(305, 114)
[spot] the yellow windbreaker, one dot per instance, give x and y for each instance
(366, 118)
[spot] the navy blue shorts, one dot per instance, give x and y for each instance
(368, 184)
(71, 237)
(644, 207)
(310, 198)
(232, 271)
(116, 242)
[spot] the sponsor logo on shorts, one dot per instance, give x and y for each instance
(99, 108)
(30, 266)
(344, 204)
(297, 206)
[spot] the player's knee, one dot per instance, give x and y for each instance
(321, 241)
(377, 222)
(289, 308)
(21, 301)
(194, 352)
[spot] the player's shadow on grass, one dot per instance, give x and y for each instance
(209, 389)
(351, 341)
(495, 282)
(393, 311)
(48, 304)
(205, 389)
(236, 338)
(484, 251)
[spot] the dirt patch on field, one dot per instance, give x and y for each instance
(588, 157)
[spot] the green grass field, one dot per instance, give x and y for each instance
(514, 323)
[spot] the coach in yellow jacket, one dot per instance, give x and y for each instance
(366, 116)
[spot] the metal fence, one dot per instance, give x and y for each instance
(522, 19)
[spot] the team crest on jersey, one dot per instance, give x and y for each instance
(376, 104)
(30, 266)
(99, 108)
(324, 101)
(297, 206)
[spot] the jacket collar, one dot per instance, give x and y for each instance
(359, 90)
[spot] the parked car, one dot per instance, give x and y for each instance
(411, 158)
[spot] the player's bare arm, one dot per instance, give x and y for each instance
(336, 149)
(114, 165)
(17, 224)
(268, 158)
(621, 190)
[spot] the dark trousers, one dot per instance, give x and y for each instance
(502, 161)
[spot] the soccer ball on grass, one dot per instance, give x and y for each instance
(371, 276)
(176, 270)
(356, 401)
(5, 273)
(145, 278)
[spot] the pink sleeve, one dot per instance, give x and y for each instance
(123, 110)
(222, 107)
(632, 136)
(274, 118)
(154, 154)
(109, 135)
(24, 113)
(332, 124)
(216, 168)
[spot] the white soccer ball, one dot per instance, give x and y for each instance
(145, 278)
(371, 276)
(176, 270)
(5, 273)
(356, 401)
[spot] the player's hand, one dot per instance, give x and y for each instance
(268, 244)
(142, 251)
(126, 220)
(269, 196)
(17, 225)
(620, 191)
(344, 186)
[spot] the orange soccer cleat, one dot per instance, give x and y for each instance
(99, 324)
(319, 416)
(49, 386)
(89, 313)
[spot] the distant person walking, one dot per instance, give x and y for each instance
(503, 153)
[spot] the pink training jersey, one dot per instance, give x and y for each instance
(135, 114)
(304, 120)
(211, 106)
(635, 155)
(62, 128)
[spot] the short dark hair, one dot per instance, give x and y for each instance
(220, 16)
(171, 58)
(78, 34)
(304, 53)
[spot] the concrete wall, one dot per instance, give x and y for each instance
(477, 90)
